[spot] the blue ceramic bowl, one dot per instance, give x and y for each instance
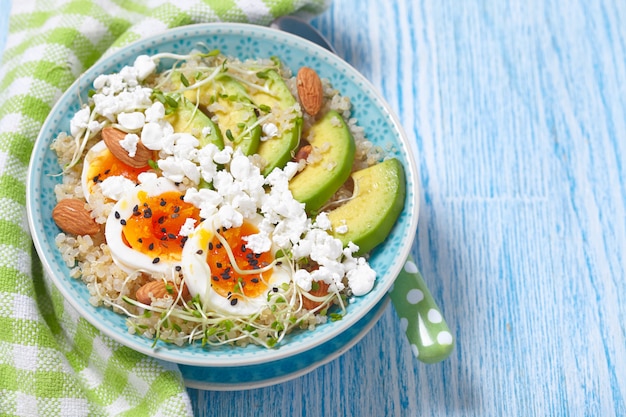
(242, 41)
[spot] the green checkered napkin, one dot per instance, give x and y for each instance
(52, 362)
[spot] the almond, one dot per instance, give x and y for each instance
(310, 90)
(159, 289)
(74, 218)
(320, 291)
(303, 153)
(112, 138)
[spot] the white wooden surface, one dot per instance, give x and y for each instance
(518, 111)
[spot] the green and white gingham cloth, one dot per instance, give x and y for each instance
(52, 362)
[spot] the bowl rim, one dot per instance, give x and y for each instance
(283, 350)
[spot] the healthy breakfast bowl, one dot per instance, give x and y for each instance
(223, 195)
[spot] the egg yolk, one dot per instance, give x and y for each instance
(154, 226)
(106, 165)
(224, 279)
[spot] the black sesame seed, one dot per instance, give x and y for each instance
(257, 255)
(178, 268)
(117, 215)
(162, 202)
(219, 246)
(161, 220)
(199, 251)
(171, 235)
(215, 278)
(233, 302)
(107, 172)
(218, 264)
(243, 247)
(140, 240)
(151, 246)
(123, 222)
(210, 245)
(163, 237)
(156, 260)
(255, 280)
(176, 209)
(275, 289)
(163, 230)
(147, 213)
(184, 239)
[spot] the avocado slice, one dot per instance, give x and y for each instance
(235, 112)
(189, 119)
(318, 181)
(275, 95)
(371, 213)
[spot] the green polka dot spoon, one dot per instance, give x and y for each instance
(428, 333)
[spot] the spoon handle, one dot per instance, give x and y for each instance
(428, 333)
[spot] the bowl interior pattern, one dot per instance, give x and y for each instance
(245, 42)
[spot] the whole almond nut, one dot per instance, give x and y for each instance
(310, 90)
(112, 138)
(72, 217)
(321, 290)
(159, 289)
(303, 153)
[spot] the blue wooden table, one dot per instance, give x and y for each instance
(518, 111)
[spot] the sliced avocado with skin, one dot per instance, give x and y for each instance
(236, 115)
(187, 118)
(277, 151)
(319, 180)
(370, 215)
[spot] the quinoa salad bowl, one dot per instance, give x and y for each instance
(222, 196)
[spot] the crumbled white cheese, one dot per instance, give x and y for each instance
(144, 66)
(79, 121)
(303, 279)
(258, 242)
(229, 217)
(131, 121)
(176, 169)
(322, 221)
(152, 136)
(129, 143)
(223, 156)
(116, 186)
(206, 200)
(361, 279)
(206, 131)
(155, 113)
(342, 229)
(270, 130)
(187, 228)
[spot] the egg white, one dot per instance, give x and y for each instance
(129, 259)
(86, 179)
(197, 273)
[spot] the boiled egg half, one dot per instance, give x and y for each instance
(229, 277)
(143, 228)
(100, 164)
